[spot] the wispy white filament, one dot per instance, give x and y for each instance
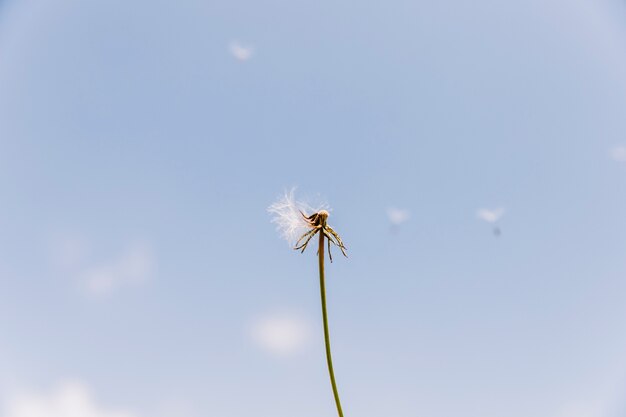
(287, 215)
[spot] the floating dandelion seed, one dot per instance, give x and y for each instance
(240, 52)
(398, 216)
(492, 216)
(293, 219)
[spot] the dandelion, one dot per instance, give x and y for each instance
(298, 224)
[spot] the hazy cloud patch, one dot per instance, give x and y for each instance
(618, 153)
(73, 256)
(67, 399)
(133, 267)
(280, 334)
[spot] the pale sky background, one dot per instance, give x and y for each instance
(141, 143)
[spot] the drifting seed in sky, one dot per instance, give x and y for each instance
(240, 52)
(492, 216)
(398, 216)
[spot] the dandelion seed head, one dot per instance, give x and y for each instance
(287, 214)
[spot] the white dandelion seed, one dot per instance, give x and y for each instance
(490, 216)
(398, 216)
(240, 52)
(287, 215)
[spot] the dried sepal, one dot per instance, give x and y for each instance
(318, 222)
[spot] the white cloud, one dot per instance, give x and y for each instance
(72, 256)
(280, 334)
(490, 215)
(618, 153)
(135, 266)
(240, 52)
(67, 399)
(600, 395)
(398, 216)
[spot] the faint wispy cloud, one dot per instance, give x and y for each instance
(618, 153)
(72, 255)
(240, 52)
(603, 398)
(398, 216)
(135, 266)
(67, 399)
(280, 334)
(490, 215)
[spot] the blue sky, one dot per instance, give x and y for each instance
(140, 145)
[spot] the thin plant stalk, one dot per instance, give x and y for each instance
(292, 220)
(329, 358)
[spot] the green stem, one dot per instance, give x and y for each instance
(329, 358)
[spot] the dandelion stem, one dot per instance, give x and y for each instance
(329, 358)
